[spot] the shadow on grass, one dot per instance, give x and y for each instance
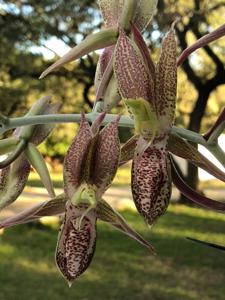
(121, 269)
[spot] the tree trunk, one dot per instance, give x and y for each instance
(195, 124)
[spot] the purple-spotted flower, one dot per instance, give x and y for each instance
(89, 168)
(14, 175)
(115, 13)
(149, 91)
(90, 165)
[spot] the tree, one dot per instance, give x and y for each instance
(28, 24)
(197, 18)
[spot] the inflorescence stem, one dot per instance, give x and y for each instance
(125, 121)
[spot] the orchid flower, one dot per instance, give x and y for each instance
(150, 94)
(89, 168)
(14, 174)
(115, 13)
(149, 91)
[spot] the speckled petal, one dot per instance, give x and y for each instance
(128, 150)
(75, 157)
(151, 183)
(102, 65)
(76, 246)
(145, 11)
(13, 180)
(111, 11)
(106, 157)
(166, 81)
(130, 71)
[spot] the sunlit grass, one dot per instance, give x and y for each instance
(121, 269)
(122, 178)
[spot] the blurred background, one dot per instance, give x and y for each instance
(33, 34)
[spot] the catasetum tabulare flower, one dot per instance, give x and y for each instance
(149, 91)
(89, 168)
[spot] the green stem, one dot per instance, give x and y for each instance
(61, 118)
(125, 121)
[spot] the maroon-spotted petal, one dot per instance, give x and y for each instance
(76, 246)
(127, 150)
(144, 13)
(194, 196)
(102, 65)
(75, 157)
(13, 179)
(151, 183)
(106, 157)
(47, 208)
(144, 49)
(166, 81)
(111, 11)
(130, 71)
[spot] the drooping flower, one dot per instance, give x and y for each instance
(14, 176)
(89, 168)
(149, 91)
(115, 13)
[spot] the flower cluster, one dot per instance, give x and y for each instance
(126, 72)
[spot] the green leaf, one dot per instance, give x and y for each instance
(36, 160)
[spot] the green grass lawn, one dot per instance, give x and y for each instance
(121, 179)
(121, 269)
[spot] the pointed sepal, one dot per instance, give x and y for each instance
(144, 13)
(106, 157)
(184, 149)
(166, 81)
(107, 214)
(111, 11)
(130, 71)
(37, 161)
(99, 40)
(55, 206)
(75, 157)
(128, 149)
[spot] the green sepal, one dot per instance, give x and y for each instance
(36, 160)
